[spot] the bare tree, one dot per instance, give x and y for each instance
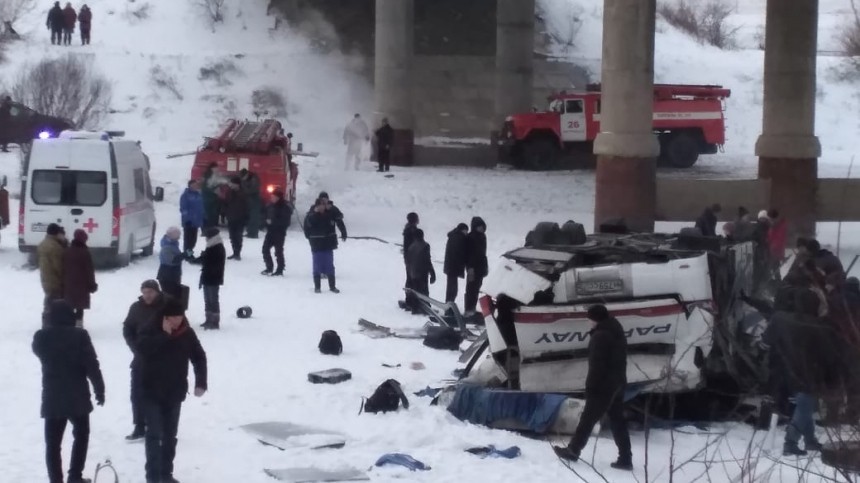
(214, 9)
(66, 87)
(705, 20)
(850, 35)
(12, 10)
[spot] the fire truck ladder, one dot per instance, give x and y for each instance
(245, 134)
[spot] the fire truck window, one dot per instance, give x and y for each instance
(71, 188)
(574, 106)
(556, 106)
(139, 185)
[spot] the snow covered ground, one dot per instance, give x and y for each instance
(258, 367)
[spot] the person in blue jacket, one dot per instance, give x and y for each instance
(193, 215)
(170, 266)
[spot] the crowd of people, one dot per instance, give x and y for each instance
(61, 22)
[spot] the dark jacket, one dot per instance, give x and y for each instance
(79, 276)
(170, 259)
(384, 138)
(164, 361)
(85, 18)
(139, 315)
(191, 208)
(408, 237)
(418, 260)
(320, 230)
(456, 251)
(251, 186)
(70, 18)
(607, 359)
(5, 110)
(476, 254)
(212, 260)
(279, 215)
(707, 223)
(68, 360)
(236, 206)
(829, 263)
(56, 19)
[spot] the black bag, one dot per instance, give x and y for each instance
(387, 397)
(330, 343)
(446, 338)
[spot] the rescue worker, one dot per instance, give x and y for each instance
(70, 18)
(213, 261)
(79, 276)
(251, 187)
(707, 222)
(355, 135)
(193, 216)
(384, 142)
(170, 263)
(85, 19)
(68, 360)
(5, 119)
(237, 216)
(477, 266)
(56, 22)
(420, 266)
(279, 213)
(409, 231)
(456, 251)
(320, 231)
(140, 313)
(604, 388)
(165, 347)
(50, 253)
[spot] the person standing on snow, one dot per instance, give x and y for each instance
(170, 263)
(165, 347)
(456, 251)
(477, 266)
(79, 276)
(68, 360)
(50, 254)
(251, 188)
(355, 135)
(237, 216)
(70, 18)
(139, 315)
(212, 260)
(85, 19)
(56, 22)
(604, 388)
(320, 231)
(209, 192)
(5, 118)
(384, 141)
(409, 231)
(278, 216)
(193, 216)
(420, 266)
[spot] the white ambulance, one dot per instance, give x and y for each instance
(94, 181)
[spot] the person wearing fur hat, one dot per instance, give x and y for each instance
(165, 347)
(139, 315)
(212, 260)
(79, 276)
(170, 267)
(50, 256)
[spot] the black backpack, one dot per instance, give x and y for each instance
(387, 397)
(330, 343)
(445, 338)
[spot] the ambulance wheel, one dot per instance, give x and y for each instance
(149, 249)
(682, 151)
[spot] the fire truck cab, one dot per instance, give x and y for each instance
(261, 147)
(688, 120)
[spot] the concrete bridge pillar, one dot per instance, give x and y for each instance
(626, 147)
(515, 38)
(393, 84)
(788, 149)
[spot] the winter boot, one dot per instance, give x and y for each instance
(235, 256)
(278, 273)
(791, 449)
(317, 284)
(565, 453)
(332, 284)
(80, 480)
(214, 323)
(207, 324)
(622, 464)
(813, 445)
(169, 479)
(138, 433)
(266, 272)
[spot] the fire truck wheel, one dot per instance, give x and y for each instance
(540, 154)
(683, 151)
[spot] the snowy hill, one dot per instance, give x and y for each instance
(258, 367)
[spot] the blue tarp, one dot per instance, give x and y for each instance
(493, 452)
(484, 406)
(401, 459)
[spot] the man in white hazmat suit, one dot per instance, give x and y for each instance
(355, 136)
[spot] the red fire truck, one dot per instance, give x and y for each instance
(688, 120)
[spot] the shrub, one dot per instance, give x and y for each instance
(67, 87)
(162, 79)
(268, 101)
(12, 10)
(849, 38)
(705, 20)
(213, 9)
(219, 72)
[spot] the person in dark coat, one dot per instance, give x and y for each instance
(250, 184)
(825, 260)
(85, 19)
(193, 216)
(212, 260)
(477, 266)
(70, 18)
(384, 141)
(604, 388)
(420, 266)
(456, 251)
(56, 22)
(139, 315)
(5, 118)
(165, 347)
(170, 263)
(79, 276)
(212, 182)
(237, 217)
(336, 215)
(707, 221)
(320, 231)
(409, 230)
(68, 360)
(278, 216)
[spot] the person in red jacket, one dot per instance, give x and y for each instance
(777, 237)
(70, 17)
(85, 18)
(79, 277)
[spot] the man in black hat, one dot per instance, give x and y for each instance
(278, 216)
(165, 347)
(604, 388)
(139, 315)
(237, 212)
